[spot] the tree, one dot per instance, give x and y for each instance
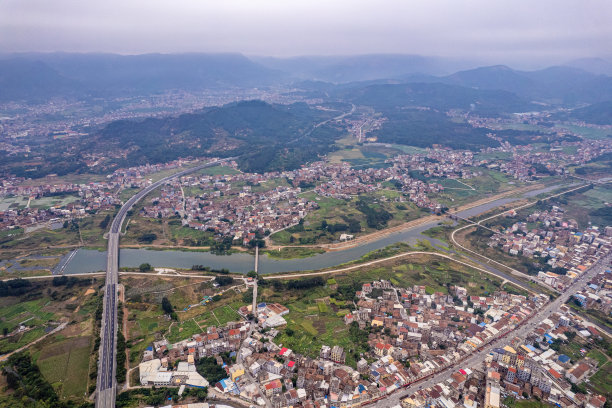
(105, 221)
(224, 280)
(251, 274)
(167, 306)
(144, 267)
(147, 238)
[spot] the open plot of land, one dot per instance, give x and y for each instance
(147, 321)
(48, 202)
(86, 232)
(339, 211)
(65, 364)
(39, 306)
(182, 330)
(588, 132)
(292, 253)
(588, 206)
(13, 202)
(487, 183)
(315, 319)
(218, 170)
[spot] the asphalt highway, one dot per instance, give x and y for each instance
(107, 383)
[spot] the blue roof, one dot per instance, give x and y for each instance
(563, 358)
(261, 305)
(593, 286)
(579, 296)
(361, 388)
(483, 324)
(530, 347)
(149, 348)
(232, 354)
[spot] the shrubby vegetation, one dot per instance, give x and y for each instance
(376, 216)
(30, 388)
(224, 280)
(209, 369)
(14, 287)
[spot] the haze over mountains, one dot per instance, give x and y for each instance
(37, 77)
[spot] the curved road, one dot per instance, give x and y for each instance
(106, 385)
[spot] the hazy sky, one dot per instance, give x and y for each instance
(512, 30)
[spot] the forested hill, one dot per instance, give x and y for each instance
(385, 97)
(598, 113)
(268, 137)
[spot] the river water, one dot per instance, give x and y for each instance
(85, 261)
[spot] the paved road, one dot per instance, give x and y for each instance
(478, 357)
(58, 328)
(107, 384)
(479, 224)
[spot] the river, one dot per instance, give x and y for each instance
(85, 260)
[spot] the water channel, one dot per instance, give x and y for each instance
(84, 260)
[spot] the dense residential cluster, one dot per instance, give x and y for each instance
(411, 335)
(548, 236)
(239, 205)
(81, 199)
(527, 164)
(527, 368)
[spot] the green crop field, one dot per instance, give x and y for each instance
(226, 314)
(65, 365)
(28, 312)
(183, 330)
(14, 342)
(602, 380)
(599, 356)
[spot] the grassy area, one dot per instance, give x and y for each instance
(31, 312)
(314, 324)
(182, 330)
(588, 132)
(181, 235)
(572, 349)
(225, 314)
(87, 232)
(218, 170)
(511, 402)
(127, 193)
(488, 182)
(582, 206)
(292, 253)
(146, 320)
(14, 342)
(599, 356)
(40, 262)
(48, 202)
(65, 364)
(338, 211)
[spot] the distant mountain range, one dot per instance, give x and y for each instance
(37, 77)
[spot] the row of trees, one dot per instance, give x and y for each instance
(14, 287)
